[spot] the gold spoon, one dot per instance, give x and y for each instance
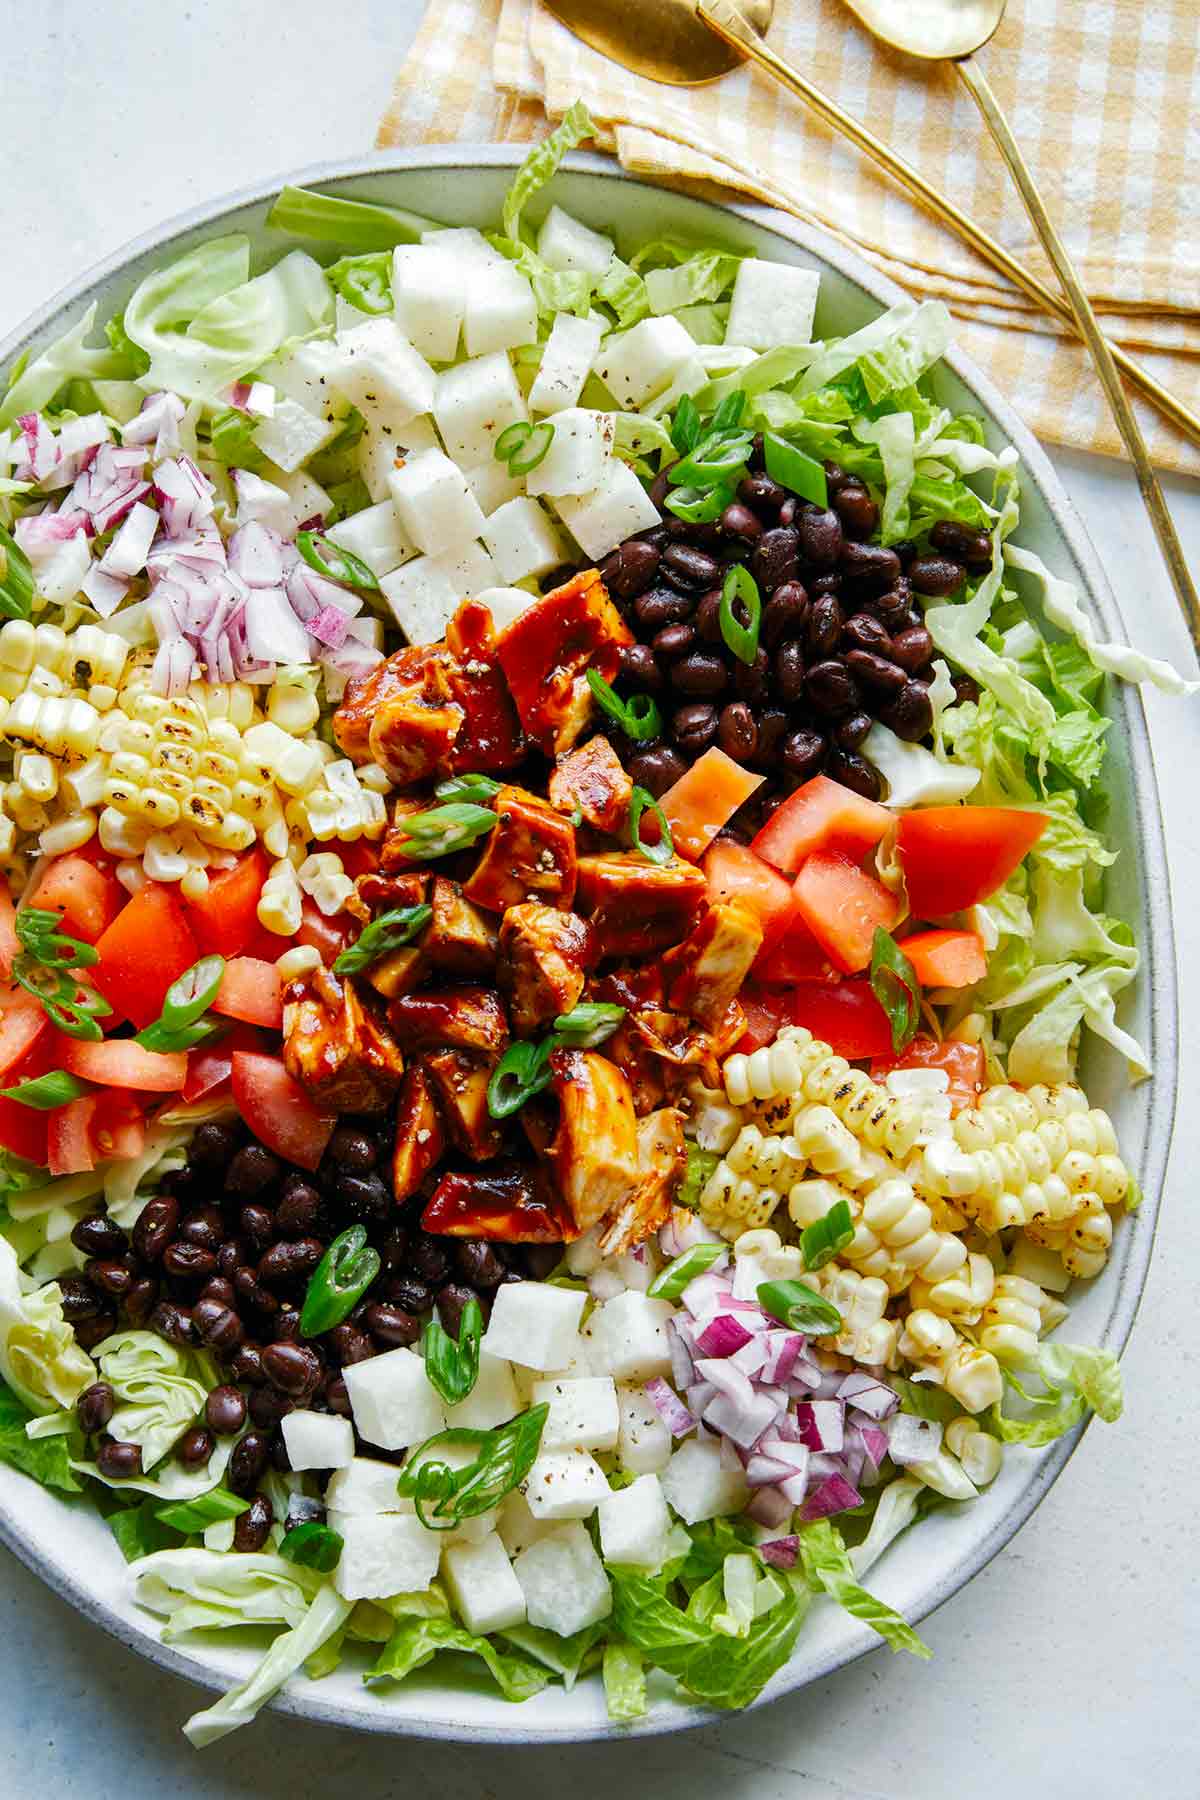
(673, 41)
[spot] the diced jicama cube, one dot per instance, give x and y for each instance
(644, 1439)
(468, 247)
(583, 1413)
(273, 632)
(501, 312)
(579, 455)
(617, 509)
(437, 509)
(534, 1325)
(698, 1485)
(641, 362)
(470, 569)
(376, 363)
(563, 1581)
(305, 498)
(383, 1553)
(383, 445)
(472, 405)
(365, 1485)
(424, 595)
(773, 303)
(303, 374)
(631, 1336)
(565, 243)
(688, 378)
(567, 359)
(426, 305)
(346, 316)
(505, 604)
(376, 536)
(516, 1525)
(316, 1440)
(486, 1594)
(292, 434)
(523, 540)
(492, 485)
(565, 1484)
(393, 1401)
(635, 1524)
(492, 1401)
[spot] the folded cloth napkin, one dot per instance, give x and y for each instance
(1102, 95)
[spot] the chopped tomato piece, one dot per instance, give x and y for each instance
(69, 1147)
(120, 1063)
(946, 958)
(963, 1063)
(704, 798)
(146, 948)
(359, 858)
(88, 895)
(278, 1110)
(842, 908)
(327, 936)
(843, 1014)
(766, 1010)
(955, 856)
(251, 991)
(118, 1128)
(10, 943)
(211, 1064)
(225, 918)
(23, 1129)
(734, 872)
(23, 1025)
(821, 815)
(796, 957)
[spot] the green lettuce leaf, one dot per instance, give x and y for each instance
(714, 1668)
(892, 351)
(416, 1642)
(827, 1566)
(1078, 1379)
(623, 289)
(895, 1510)
(140, 1532)
(219, 1590)
(39, 1357)
(160, 1389)
(624, 1681)
(67, 359)
(542, 163)
(353, 224)
(47, 1459)
(326, 1615)
(705, 276)
(564, 1656)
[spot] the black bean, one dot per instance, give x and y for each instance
(119, 1461)
(353, 1150)
(155, 1227)
(252, 1528)
(855, 772)
(785, 614)
(285, 1326)
(391, 1324)
(90, 1332)
(906, 550)
(689, 568)
(539, 1260)
(737, 733)
(232, 1255)
(695, 727)
(217, 1325)
(195, 1447)
(966, 691)
(251, 1292)
(855, 508)
(172, 1322)
(912, 648)
(337, 1396)
(139, 1301)
(630, 568)
(835, 475)
(789, 672)
(830, 689)
(225, 1410)
(95, 1407)
(477, 1262)
(429, 1256)
(293, 1368)
(825, 584)
(348, 1344)
(661, 606)
(394, 1247)
(248, 1463)
(824, 627)
(772, 729)
(115, 1278)
(639, 668)
(803, 752)
(246, 1364)
(871, 565)
(363, 1196)
(849, 734)
(701, 673)
(217, 1288)
(212, 1146)
(865, 632)
(257, 1226)
(776, 558)
(656, 770)
(407, 1292)
(741, 523)
(875, 671)
(821, 537)
(97, 1235)
(188, 1262)
(707, 617)
(751, 680)
(252, 1170)
(660, 487)
(80, 1300)
(910, 714)
(761, 492)
(936, 576)
(203, 1226)
(893, 607)
(299, 1210)
(450, 1303)
(962, 542)
(268, 1406)
(673, 640)
(289, 1261)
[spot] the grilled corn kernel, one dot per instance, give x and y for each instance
(977, 1450)
(300, 961)
(194, 884)
(325, 881)
(962, 1295)
(292, 708)
(67, 834)
(163, 860)
(122, 836)
(732, 1204)
(1012, 1321)
(35, 775)
(865, 1334)
(279, 904)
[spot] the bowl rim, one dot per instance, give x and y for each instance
(1157, 971)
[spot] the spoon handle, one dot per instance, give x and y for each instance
(727, 21)
(977, 85)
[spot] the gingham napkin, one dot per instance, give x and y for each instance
(1102, 95)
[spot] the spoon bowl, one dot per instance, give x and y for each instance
(934, 30)
(664, 40)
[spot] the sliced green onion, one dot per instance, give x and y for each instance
(56, 1088)
(700, 1167)
(895, 985)
(186, 1000)
(511, 439)
(728, 415)
(339, 1281)
(821, 1241)
(528, 455)
(16, 578)
(697, 507)
(72, 1008)
(205, 1510)
(804, 475)
(716, 458)
(685, 426)
(503, 1460)
(670, 1282)
(798, 1306)
(587, 1026)
(313, 1546)
(522, 1072)
(739, 584)
(642, 801)
(390, 931)
(38, 931)
(336, 564)
(477, 788)
(638, 717)
(452, 1366)
(444, 829)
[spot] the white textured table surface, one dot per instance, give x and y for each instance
(1070, 1666)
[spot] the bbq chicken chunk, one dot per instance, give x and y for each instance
(460, 1081)
(544, 958)
(662, 1157)
(706, 970)
(336, 1047)
(460, 1018)
(420, 1139)
(594, 1155)
(590, 781)
(461, 940)
(634, 906)
(529, 855)
(403, 715)
(546, 652)
(491, 739)
(509, 1204)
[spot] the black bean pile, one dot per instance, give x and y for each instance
(842, 640)
(220, 1259)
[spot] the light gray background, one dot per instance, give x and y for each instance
(1069, 1667)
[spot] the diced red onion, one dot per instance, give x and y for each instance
(727, 1379)
(127, 553)
(795, 1487)
(822, 1424)
(699, 1393)
(41, 449)
(765, 1471)
(273, 632)
(703, 1295)
(681, 1359)
(912, 1440)
(742, 1422)
(185, 495)
(768, 1506)
(804, 1380)
(874, 1441)
(172, 668)
(730, 1455)
(686, 1330)
(833, 1495)
(40, 534)
(160, 414)
(77, 444)
(669, 1407)
(683, 1231)
(262, 501)
(254, 554)
(260, 399)
(751, 1356)
(869, 1396)
(783, 1347)
(722, 1334)
(781, 1552)
(854, 1459)
(310, 592)
(778, 1444)
(104, 591)
(828, 1383)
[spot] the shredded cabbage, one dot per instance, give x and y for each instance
(39, 1357)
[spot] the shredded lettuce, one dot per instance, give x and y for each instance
(416, 1642)
(895, 1510)
(354, 224)
(39, 1357)
(1078, 1379)
(326, 1615)
(159, 1389)
(623, 289)
(891, 352)
(828, 1567)
(706, 276)
(47, 1460)
(1061, 605)
(542, 163)
(624, 1670)
(67, 359)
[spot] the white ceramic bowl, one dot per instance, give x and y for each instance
(68, 1544)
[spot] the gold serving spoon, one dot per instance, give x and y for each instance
(673, 41)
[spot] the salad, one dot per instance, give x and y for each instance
(554, 885)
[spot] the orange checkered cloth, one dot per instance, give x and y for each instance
(1102, 94)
